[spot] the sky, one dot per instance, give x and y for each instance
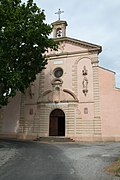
(94, 21)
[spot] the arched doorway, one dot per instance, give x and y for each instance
(57, 123)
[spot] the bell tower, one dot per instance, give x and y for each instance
(59, 27)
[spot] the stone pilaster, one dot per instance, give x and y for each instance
(22, 118)
(1, 118)
(41, 82)
(74, 78)
(97, 118)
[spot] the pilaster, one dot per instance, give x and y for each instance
(41, 82)
(74, 79)
(96, 94)
(1, 118)
(22, 117)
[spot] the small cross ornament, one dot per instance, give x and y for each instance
(59, 13)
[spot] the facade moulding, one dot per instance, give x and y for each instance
(55, 54)
(83, 102)
(35, 103)
(79, 43)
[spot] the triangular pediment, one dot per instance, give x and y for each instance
(68, 45)
(71, 44)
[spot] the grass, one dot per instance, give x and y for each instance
(114, 168)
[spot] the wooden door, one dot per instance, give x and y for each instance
(57, 123)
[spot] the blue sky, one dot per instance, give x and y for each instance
(94, 21)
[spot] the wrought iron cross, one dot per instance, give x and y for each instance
(59, 13)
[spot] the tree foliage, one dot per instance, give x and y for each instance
(24, 38)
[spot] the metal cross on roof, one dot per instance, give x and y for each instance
(59, 13)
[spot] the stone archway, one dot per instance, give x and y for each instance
(57, 123)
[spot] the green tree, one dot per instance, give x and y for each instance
(24, 38)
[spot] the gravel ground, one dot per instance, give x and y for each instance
(90, 159)
(7, 152)
(56, 161)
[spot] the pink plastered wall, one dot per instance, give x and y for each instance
(67, 72)
(109, 103)
(10, 121)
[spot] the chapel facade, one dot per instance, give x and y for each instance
(73, 97)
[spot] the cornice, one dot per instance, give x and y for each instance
(59, 22)
(73, 53)
(107, 69)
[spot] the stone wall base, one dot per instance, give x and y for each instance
(16, 136)
(96, 138)
(8, 136)
(82, 138)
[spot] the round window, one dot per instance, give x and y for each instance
(58, 72)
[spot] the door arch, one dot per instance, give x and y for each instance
(57, 123)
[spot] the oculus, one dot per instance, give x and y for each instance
(58, 72)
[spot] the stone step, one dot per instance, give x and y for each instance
(54, 139)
